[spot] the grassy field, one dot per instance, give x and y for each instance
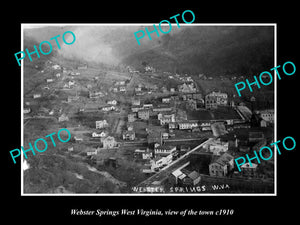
(127, 170)
(49, 171)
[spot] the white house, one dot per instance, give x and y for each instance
(247, 166)
(63, 117)
(109, 142)
(108, 108)
(148, 106)
(56, 67)
(101, 124)
(112, 102)
(37, 95)
(137, 89)
(164, 149)
(135, 101)
(89, 153)
(101, 134)
(165, 118)
(26, 110)
(166, 100)
(177, 174)
(145, 153)
(214, 99)
(122, 88)
(267, 115)
(49, 80)
(159, 162)
(185, 125)
(71, 83)
(119, 83)
(216, 147)
(66, 86)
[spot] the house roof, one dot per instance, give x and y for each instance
(188, 122)
(101, 121)
(165, 147)
(157, 158)
(218, 129)
(128, 132)
(182, 176)
(224, 159)
(166, 116)
(194, 175)
(144, 111)
(247, 165)
(176, 173)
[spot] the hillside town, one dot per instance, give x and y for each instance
(152, 131)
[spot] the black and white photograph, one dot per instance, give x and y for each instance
(148, 117)
(146, 113)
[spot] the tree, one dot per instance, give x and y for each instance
(144, 64)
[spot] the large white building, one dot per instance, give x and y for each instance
(101, 124)
(161, 161)
(267, 115)
(214, 99)
(217, 146)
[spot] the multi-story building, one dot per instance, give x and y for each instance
(163, 149)
(161, 161)
(187, 125)
(101, 124)
(63, 117)
(95, 94)
(144, 114)
(217, 146)
(215, 99)
(166, 100)
(128, 135)
(249, 171)
(222, 165)
(267, 115)
(187, 88)
(166, 118)
(131, 117)
(135, 101)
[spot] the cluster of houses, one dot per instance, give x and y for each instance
(258, 118)
(119, 86)
(187, 88)
(144, 111)
(108, 142)
(150, 69)
(223, 161)
(96, 94)
(156, 157)
(111, 105)
(160, 155)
